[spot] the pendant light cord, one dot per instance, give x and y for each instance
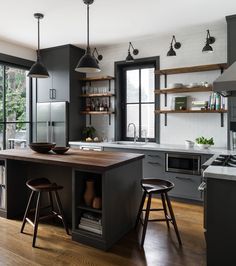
(38, 56)
(88, 47)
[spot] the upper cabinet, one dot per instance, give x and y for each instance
(58, 62)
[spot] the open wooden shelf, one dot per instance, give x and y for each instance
(190, 69)
(86, 208)
(188, 111)
(97, 78)
(183, 89)
(107, 94)
(97, 112)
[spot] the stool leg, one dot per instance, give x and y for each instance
(36, 219)
(173, 219)
(27, 211)
(140, 209)
(51, 200)
(165, 210)
(59, 205)
(146, 218)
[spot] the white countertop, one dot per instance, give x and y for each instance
(220, 172)
(151, 146)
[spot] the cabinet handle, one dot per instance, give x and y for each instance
(183, 178)
(50, 94)
(153, 156)
(54, 94)
(154, 163)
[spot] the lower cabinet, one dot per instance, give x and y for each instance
(186, 185)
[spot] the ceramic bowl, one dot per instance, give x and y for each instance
(203, 146)
(189, 143)
(60, 150)
(41, 147)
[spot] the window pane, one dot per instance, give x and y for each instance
(132, 86)
(16, 136)
(1, 92)
(148, 120)
(132, 117)
(147, 85)
(15, 94)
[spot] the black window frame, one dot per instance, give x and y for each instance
(120, 101)
(16, 62)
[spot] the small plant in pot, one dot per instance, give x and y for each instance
(88, 133)
(204, 143)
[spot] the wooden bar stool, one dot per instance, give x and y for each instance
(152, 186)
(38, 186)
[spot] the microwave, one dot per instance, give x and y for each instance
(183, 163)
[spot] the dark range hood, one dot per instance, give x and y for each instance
(226, 83)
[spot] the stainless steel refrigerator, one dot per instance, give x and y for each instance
(51, 123)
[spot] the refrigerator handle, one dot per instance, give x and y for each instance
(48, 129)
(52, 131)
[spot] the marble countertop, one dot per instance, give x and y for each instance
(151, 146)
(220, 172)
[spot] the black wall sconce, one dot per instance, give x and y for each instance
(129, 57)
(209, 40)
(97, 56)
(177, 45)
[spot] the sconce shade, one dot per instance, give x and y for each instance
(129, 58)
(171, 52)
(207, 48)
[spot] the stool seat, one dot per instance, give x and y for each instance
(42, 184)
(152, 185)
(38, 186)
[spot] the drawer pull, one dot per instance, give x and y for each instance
(183, 178)
(154, 163)
(153, 156)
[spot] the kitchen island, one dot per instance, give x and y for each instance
(116, 177)
(220, 205)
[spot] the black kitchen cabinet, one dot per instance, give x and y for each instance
(63, 85)
(58, 61)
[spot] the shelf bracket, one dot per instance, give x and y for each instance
(165, 99)
(90, 120)
(222, 119)
(165, 120)
(109, 88)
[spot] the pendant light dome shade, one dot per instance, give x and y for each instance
(88, 63)
(129, 57)
(38, 70)
(177, 45)
(171, 52)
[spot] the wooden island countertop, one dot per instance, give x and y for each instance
(75, 158)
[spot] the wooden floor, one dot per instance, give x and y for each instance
(56, 248)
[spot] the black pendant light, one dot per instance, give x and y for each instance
(177, 45)
(88, 63)
(209, 40)
(129, 57)
(38, 70)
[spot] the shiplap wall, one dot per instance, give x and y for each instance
(180, 126)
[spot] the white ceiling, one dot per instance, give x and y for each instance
(111, 21)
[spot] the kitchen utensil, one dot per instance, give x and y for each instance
(60, 150)
(42, 147)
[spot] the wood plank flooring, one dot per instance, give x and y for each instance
(160, 247)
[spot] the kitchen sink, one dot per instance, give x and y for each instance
(138, 143)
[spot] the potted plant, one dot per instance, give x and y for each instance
(204, 143)
(88, 133)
